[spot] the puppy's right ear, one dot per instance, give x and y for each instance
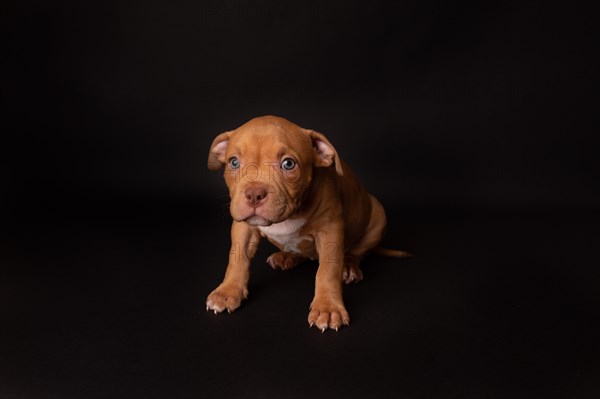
(216, 155)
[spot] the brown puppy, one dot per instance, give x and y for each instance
(288, 184)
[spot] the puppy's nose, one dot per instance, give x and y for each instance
(255, 196)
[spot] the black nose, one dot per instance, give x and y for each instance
(255, 196)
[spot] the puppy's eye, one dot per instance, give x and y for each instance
(288, 164)
(234, 163)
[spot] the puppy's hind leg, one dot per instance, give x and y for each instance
(373, 235)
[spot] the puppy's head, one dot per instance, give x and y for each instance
(268, 165)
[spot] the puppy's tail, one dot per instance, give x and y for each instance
(393, 253)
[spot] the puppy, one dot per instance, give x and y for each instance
(289, 185)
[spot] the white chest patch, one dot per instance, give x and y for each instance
(286, 233)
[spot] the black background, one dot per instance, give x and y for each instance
(474, 124)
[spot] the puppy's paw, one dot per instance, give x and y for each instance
(283, 260)
(326, 313)
(226, 297)
(352, 273)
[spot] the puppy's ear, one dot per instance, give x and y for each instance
(216, 155)
(325, 153)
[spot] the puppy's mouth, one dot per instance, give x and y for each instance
(257, 217)
(256, 220)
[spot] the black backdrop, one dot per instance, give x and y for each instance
(453, 113)
(457, 102)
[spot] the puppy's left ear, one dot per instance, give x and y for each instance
(325, 153)
(218, 148)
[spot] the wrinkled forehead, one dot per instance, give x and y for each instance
(269, 142)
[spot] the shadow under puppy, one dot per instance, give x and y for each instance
(289, 185)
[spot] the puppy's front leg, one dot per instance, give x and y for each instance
(234, 288)
(327, 309)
